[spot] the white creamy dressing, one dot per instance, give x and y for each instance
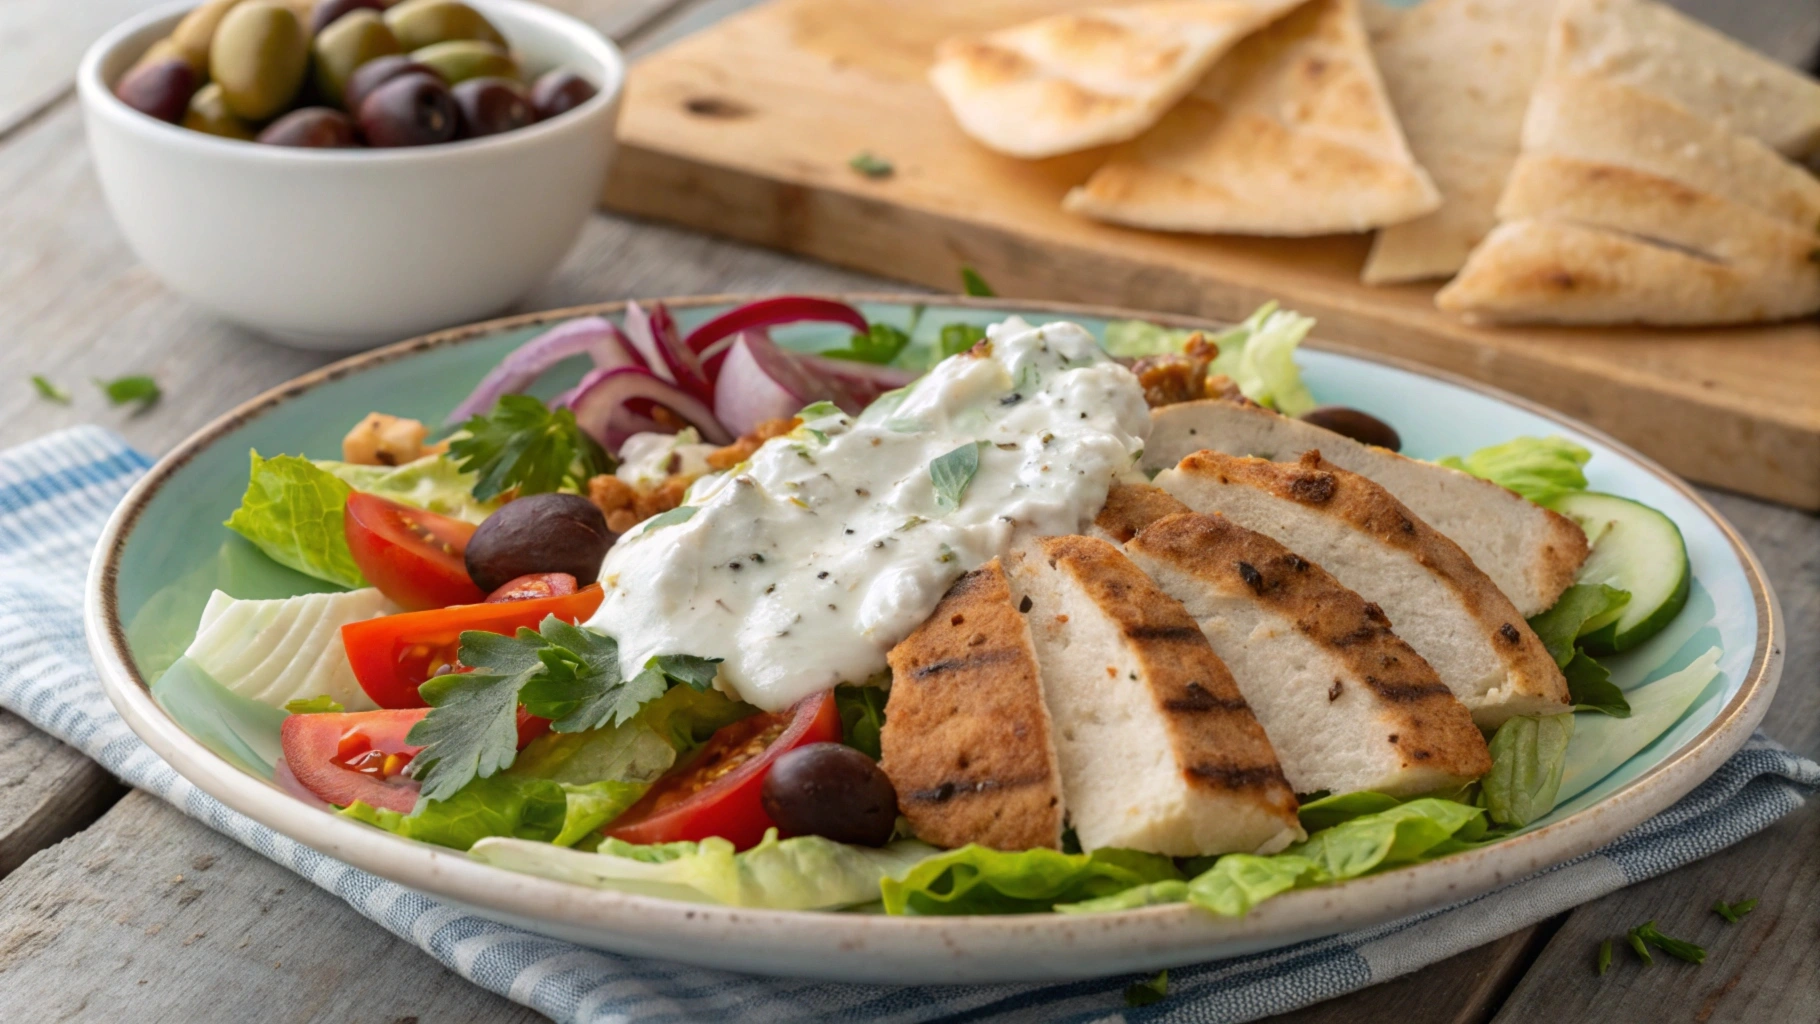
(804, 566)
(646, 460)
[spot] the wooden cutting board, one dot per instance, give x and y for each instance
(746, 129)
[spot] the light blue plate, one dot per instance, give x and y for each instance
(165, 552)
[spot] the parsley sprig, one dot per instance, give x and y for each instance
(526, 445)
(568, 674)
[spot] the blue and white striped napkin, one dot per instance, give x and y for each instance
(55, 494)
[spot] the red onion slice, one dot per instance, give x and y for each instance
(759, 382)
(590, 335)
(867, 381)
(602, 406)
(783, 309)
(653, 333)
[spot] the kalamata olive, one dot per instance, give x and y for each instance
(830, 790)
(209, 113)
(492, 105)
(343, 47)
(327, 12)
(539, 533)
(375, 73)
(167, 49)
(558, 92)
(463, 59)
(313, 128)
(194, 34)
(160, 90)
(258, 57)
(419, 23)
(410, 110)
(1360, 426)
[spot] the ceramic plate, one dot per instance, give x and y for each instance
(162, 553)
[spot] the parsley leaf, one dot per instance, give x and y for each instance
(581, 687)
(958, 338)
(1734, 912)
(1603, 961)
(686, 669)
(526, 445)
(47, 389)
(862, 717)
(1590, 688)
(313, 705)
(472, 728)
(1149, 991)
(122, 390)
(973, 284)
(679, 514)
(871, 166)
(879, 344)
(952, 473)
(1680, 950)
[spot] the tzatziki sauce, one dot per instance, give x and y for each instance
(802, 567)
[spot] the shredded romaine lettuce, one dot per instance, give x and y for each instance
(1538, 468)
(433, 482)
(503, 805)
(976, 880)
(802, 873)
(292, 512)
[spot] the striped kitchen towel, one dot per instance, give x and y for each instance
(55, 494)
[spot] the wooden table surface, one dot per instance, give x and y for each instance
(114, 906)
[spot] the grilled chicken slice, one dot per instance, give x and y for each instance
(1347, 705)
(1437, 599)
(966, 739)
(1530, 553)
(1158, 750)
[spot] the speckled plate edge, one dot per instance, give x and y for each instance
(852, 947)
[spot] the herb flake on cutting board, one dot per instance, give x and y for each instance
(126, 390)
(871, 166)
(975, 285)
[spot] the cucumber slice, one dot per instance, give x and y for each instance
(1636, 549)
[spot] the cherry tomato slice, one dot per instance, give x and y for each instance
(362, 755)
(533, 586)
(393, 655)
(716, 792)
(414, 557)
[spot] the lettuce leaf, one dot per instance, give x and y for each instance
(1239, 881)
(862, 716)
(1601, 743)
(1528, 756)
(802, 873)
(632, 752)
(1135, 339)
(1398, 835)
(976, 880)
(505, 805)
(1259, 354)
(685, 717)
(1329, 811)
(1538, 468)
(433, 482)
(1579, 610)
(292, 512)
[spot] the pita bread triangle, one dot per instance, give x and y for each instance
(1290, 134)
(1078, 80)
(1459, 73)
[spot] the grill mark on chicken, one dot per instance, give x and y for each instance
(1197, 699)
(1261, 776)
(1165, 634)
(972, 661)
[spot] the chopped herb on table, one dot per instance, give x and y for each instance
(48, 389)
(1603, 961)
(125, 390)
(1734, 912)
(1680, 950)
(1149, 991)
(871, 166)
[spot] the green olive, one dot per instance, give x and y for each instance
(420, 23)
(197, 30)
(209, 113)
(461, 59)
(167, 49)
(350, 41)
(259, 56)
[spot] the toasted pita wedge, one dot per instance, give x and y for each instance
(966, 739)
(1548, 271)
(1436, 599)
(1159, 751)
(1459, 73)
(1073, 81)
(1291, 134)
(1656, 49)
(1530, 553)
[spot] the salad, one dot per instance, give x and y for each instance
(1019, 620)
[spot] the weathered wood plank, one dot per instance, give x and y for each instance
(44, 41)
(1463, 989)
(47, 791)
(150, 915)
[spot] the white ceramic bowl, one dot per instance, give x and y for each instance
(344, 249)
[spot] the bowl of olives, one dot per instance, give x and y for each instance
(338, 174)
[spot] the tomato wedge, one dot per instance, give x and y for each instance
(393, 655)
(361, 755)
(353, 756)
(715, 792)
(414, 557)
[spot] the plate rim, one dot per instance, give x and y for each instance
(1179, 933)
